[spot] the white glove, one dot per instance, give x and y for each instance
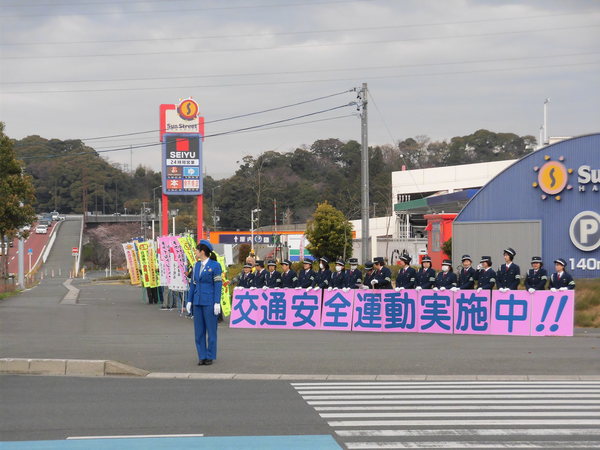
(346, 289)
(455, 289)
(418, 288)
(364, 286)
(188, 307)
(253, 287)
(298, 287)
(478, 266)
(563, 289)
(316, 288)
(479, 289)
(442, 288)
(397, 289)
(553, 289)
(435, 288)
(401, 288)
(374, 282)
(531, 290)
(329, 288)
(217, 309)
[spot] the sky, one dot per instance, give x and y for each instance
(98, 68)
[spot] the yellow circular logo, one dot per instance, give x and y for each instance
(188, 109)
(552, 177)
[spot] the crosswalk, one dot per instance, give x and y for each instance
(459, 414)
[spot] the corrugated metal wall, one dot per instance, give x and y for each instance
(491, 238)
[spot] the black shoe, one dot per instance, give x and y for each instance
(208, 362)
(201, 363)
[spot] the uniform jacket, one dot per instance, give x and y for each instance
(205, 285)
(406, 278)
(354, 279)
(446, 280)
(536, 279)
(273, 279)
(566, 280)
(307, 278)
(260, 279)
(486, 278)
(339, 279)
(425, 278)
(368, 278)
(245, 280)
(323, 278)
(508, 278)
(466, 278)
(384, 278)
(289, 279)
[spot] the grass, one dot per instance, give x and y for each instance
(7, 294)
(587, 303)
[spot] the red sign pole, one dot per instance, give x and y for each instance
(199, 218)
(165, 216)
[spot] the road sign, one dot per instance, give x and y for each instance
(30, 251)
(75, 251)
(182, 164)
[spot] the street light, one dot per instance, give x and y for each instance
(252, 229)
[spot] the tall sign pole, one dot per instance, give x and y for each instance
(364, 176)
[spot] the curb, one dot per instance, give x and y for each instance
(70, 297)
(68, 367)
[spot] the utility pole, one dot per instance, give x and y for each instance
(546, 102)
(364, 175)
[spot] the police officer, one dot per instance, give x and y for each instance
(382, 277)
(509, 275)
(354, 276)
(260, 275)
(244, 279)
(204, 296)
(487, 276)
(561, 280)
(273, 276)
(307, 277)
(425, 276)
(446, 279)
(537, 277)
(338, 278)
(369, 271)
(323, 275)
(289, 280)
(406, 275)
(467, 275)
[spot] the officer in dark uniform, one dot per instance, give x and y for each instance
(425, 276)
(338, 278)
(355, 276)
(382, 278)
(406, 275)
(487, 276)
(273, 277)
(561, 280)
(244, 279)
(260, 276)
(467, 275)
(446, 279)
(509, 275)
(369, 271)
(323, 275)
(307, 277)
(289, 280)
(537, 277)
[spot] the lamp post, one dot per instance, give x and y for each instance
(154, 208)
(252, 229)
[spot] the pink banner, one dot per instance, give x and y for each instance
(435, 311)
(472, 312)
(552, 313)
(511, 313)
(337, 310)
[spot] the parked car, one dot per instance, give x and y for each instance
(27, 228)
(41, 229)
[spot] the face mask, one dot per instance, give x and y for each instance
(338, 268)
(445, 268)
(321, 266)
(353, 267)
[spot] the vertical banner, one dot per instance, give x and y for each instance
(435, 311)
(152, 265)
(142, 252)
(337, 310)
(472, 312)
(132, 263)
(178, 262)
(552, 313)
(188, 248)
(164, 266)
(511, 313)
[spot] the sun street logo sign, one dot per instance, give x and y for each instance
(587, 175)
(553, 178)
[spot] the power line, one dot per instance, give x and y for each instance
(304, 81)
(231, 117)
(299, 32)
(300, 46)
(295, 72)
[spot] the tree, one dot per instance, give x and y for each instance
(17, 194)
(329, 233)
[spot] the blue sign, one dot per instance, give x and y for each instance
(30, 251)
(182, 164)
(244, 239)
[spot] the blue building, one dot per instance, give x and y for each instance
(545, 204)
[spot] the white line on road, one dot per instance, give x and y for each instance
(528, 406)
(461, 422)
(409, 415)
(139, 436)
(474, 432)
(455, 391)
(450, 402)
(444, 396)
(476, 444)
(440, 383)
(451, 387)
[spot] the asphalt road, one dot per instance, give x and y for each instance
(35, 242)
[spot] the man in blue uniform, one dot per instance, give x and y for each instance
(338, 278)
(273, 277)
(406, 275)
(369, 272)
(509, 275)
(289, 280)
(260, 276)
(537, 277)
(323, 275)
(382, 278)
(204, 296)
(307, 277)
(244, 279)
(355, 277)
(561, 280)
(446, 279)
(487, 276)
(467, 275)
(425, 276)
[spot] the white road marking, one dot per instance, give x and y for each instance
(444, 396)
(409, 415)
(444, 391)
(473, 432)
(139, 436)
(451, 387)
(477, 444)
(527, 407)
(442, 383)
(461, 422)
(450, 402)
